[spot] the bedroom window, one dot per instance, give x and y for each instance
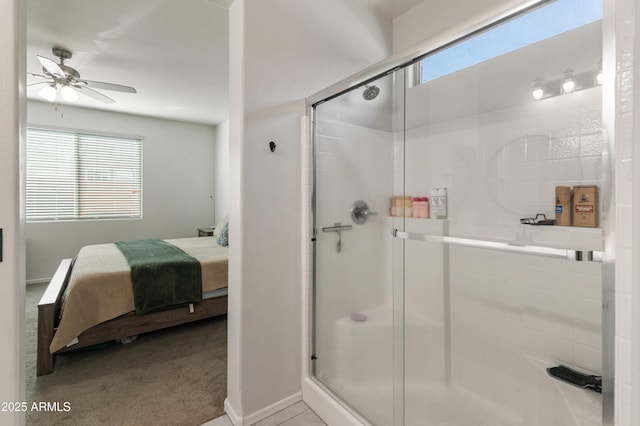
(74, 176)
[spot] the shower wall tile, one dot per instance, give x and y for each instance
(625, 173)
(627, 49)
(624, 362)
(623, 312)
(624, 214)
(352, 163)
(504, 165)
(624, 138)
(504, 306)
(623, 270)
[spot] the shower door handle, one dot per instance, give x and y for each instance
(558, 253)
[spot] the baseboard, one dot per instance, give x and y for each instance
(235, 419)
(272, 409)
(38, 281)
(329, 410)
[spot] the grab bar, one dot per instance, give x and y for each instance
(578, 255)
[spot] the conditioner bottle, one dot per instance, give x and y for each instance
(442, 203)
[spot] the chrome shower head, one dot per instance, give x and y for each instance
(370, 92)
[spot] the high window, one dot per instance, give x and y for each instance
(556, 18)
(75, 176)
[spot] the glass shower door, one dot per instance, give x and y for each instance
(460, 316)
(492, 303)
(356, 332)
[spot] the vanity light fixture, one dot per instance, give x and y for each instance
(569, 84)
(599, 77)
(538, 91)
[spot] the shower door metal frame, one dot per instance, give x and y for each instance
(397, 62)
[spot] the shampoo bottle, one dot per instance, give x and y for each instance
(433, 203)
(442, 203)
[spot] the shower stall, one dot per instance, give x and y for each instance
(443, 293)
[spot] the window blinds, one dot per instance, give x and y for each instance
(72, 176)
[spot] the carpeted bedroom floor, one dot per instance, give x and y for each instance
(169, 377)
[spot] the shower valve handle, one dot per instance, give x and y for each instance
(360, 212)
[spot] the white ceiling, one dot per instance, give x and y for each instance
(391, 8)
(175, 53)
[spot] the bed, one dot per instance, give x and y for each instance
(90, 299)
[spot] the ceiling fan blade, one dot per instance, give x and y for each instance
(51, 66)
(37, 84)
(95, 95)
(38, 75)
(109, 86)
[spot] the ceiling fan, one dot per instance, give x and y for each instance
(66, 80)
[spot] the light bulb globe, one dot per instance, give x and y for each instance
(599, 78)
(568, 86)
(537, 93)
(48, 92)
(69, 94)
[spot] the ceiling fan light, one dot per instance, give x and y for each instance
(49, 93)
(69, 94)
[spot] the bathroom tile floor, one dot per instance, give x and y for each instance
(299, 414)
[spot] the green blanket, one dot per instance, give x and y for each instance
(163, 276)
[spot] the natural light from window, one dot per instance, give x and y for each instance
(558, 17)
(75, 176)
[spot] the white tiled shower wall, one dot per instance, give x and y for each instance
(504, 165)
(625, 27)
(352, 163)
(511, 316)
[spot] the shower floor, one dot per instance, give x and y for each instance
(440, 405)
(361, 373)
(446, 405)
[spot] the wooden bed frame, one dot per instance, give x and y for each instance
(117, 328)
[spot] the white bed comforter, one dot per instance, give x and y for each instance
(100, 285)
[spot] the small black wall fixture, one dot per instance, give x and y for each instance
(0, 244)
(272, 146)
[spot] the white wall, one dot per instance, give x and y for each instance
(12, 76)
(222, 172)
(435, 18)
(285, 50)
(178, 177)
